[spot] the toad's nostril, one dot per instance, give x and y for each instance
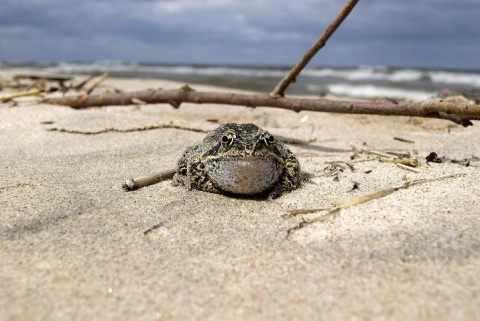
(250, 149)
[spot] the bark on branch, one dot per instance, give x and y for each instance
(458, 112)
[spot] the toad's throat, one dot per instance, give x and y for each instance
(245, 175)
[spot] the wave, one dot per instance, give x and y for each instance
(362, 74)
(371, 91)
(376, 74)
(368, 73)
(459, 78)
(127, 68)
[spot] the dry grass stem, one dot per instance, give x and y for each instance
(408, 168)
(360, 200)
(377, 153)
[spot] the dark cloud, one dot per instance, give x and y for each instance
(440, 33)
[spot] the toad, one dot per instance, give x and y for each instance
(240, 159)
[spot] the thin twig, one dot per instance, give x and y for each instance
(31, 92)
(411, 162)
(60, 79)
(310, 53)
(153, 228)
(126, 130)
(408, 168)
(139, 182)
(81, 84)
(97, 82)
(377, 153)
(404, 140)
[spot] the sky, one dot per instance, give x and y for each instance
(406, 33)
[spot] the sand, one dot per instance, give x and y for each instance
(75, 246)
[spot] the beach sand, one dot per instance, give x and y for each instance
(75, 246)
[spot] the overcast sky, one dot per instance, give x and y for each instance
(416, 33)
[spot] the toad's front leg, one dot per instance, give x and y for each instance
(290, 177)
(197, 176)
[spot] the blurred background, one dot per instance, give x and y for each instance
(396, 49)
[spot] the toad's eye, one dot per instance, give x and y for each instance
(227, 139)
(268, 138)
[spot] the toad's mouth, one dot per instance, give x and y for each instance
(245, 175)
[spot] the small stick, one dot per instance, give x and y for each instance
(400, 139)
(81, 84)
(412, 162)
(153, 228)
(31, 92)
(377, 153)
(310, 53)
(97, 82)
(139, 182)
(408, 168)
(59, 79)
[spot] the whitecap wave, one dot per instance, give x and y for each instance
(362, 74)
(365, 74)
(371, 91)
(119, 67)
(92, 67)
(456, 78)
(368, 74)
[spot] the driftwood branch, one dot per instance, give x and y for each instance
(310, 53)
(458, 112)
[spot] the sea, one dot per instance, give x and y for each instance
(367, 82)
